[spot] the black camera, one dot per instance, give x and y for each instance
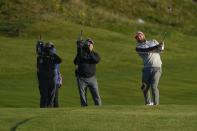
(49, 49)
(45, 48)
(83, 45)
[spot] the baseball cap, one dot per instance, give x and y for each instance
(139, 32)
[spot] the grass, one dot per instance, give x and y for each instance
(118, 73)
(106, 118)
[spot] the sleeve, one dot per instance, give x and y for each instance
(160, 46)
(57, 59)
(81, 57)
(95, 58)
(153, 47)
(77, 59)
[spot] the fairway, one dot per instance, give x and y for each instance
(106, 118)
(118, 73)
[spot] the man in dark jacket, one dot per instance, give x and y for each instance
(46, 72)
(86, 60)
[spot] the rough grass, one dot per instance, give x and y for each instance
(116, 15)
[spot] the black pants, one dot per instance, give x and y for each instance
(47, 90)
(56, 103)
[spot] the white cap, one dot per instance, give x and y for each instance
(139, 32)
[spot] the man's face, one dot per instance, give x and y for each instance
(140, 37)
(91, 46)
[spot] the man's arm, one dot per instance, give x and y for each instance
(77, 59)
(94, 57)
(58, 60)
(158, 47)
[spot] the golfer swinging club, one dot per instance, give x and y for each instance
(150, 51)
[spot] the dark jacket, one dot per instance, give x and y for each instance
(46, 64)
(86, 64)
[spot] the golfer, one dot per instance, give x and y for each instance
(150, 51)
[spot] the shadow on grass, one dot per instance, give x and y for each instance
(20, 123)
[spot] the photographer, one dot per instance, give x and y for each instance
(86, 60)
(47, 62)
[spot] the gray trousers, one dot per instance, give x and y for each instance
(91, 83)
(150, 80)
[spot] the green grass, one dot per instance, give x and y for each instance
(106, 118)
(118, 73)
(112, 25)
(117, 15)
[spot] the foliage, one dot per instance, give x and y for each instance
(19, 14)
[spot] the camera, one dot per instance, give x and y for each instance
(45, 48)
(83, 45)
(49, 49)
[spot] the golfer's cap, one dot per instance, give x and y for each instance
(139, 32)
